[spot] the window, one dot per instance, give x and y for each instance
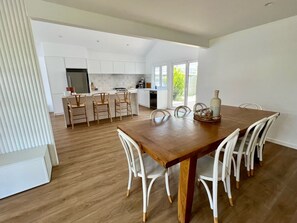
(160, 76)
(184, 83)
(157, 77)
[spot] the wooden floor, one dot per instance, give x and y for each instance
(90, 184)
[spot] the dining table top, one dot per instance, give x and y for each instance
(173, 140)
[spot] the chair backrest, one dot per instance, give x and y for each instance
(131, 150)
(101, 98)
(123, 96)
(251, 105)
(251, 136)
(228, 144)
(270, 120)
(76, 100)
(160, 113)
(182, 111)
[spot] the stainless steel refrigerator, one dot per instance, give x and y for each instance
(79, 79)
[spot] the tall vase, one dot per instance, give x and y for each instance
(215, 104)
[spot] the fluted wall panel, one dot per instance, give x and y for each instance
(24, 119)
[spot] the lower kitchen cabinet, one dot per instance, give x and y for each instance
(144, 97)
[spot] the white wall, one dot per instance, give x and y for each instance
(168, 53)
(257, 65)
(24, 118)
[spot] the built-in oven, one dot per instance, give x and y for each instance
(153, 99)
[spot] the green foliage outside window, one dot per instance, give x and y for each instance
(178, 84)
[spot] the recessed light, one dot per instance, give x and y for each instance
(268, 4)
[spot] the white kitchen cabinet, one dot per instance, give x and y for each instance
(162, 99)
(56, 72)
(140, 68)
(106, 67)
(79, 63)
(144, 97)
(94, 67)
(130, 68)
(118, 67)
(57, 104)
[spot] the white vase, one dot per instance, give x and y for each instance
(215, 104)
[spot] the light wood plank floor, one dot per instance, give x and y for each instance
(90, 184)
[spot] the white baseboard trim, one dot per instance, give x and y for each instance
(276, 141)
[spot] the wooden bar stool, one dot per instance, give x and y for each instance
(77, 103)
(101, 100)
(123, 103)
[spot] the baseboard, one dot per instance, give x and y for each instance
(276, 141)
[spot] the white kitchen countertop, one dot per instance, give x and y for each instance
(112, 92)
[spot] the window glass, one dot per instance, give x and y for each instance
(157, 76)
(164, 76)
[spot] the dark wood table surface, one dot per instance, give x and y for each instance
(183, 140)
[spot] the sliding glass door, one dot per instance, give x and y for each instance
(184, 84)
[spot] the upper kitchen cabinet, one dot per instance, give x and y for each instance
(56, 74)
(94, 67)
(106, 67)
(140, 68)
(80, 63)
(118, 67)
(130, 68)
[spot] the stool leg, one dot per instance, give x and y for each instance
(87, 117)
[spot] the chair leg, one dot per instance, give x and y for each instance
(167, 187)
(115, 109)
(129, 183)
(229, 190)
(109, 112)
(145, 197)
(215, 199)
(144, 217)
(87, 120)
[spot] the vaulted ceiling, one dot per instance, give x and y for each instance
(206, 18)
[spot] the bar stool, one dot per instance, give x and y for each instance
(101, 100)
(123, 103)
(77, 103)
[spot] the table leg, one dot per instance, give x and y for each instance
(186, 189)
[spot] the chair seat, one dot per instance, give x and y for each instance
(77, 106)
(152, 168)
(100, 103)
(205, 168)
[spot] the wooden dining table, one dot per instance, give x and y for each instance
(184, 140)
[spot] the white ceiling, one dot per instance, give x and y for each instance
(207, 18)
(108, 43)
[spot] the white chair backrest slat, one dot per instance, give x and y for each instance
(164, 113)
(251, 105)
(228, 144)
(253, 131)
(270, 120)
(182, 111)
(130, 146)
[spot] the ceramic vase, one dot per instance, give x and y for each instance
(215, 104)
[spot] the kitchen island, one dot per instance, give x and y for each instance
(89, 105)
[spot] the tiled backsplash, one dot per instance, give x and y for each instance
(107, 82)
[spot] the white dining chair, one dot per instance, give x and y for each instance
(160, 113)
(212, 169)
(143, 166)
(182, 111)
(251, 105)
(262, 138)
(246, 146)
